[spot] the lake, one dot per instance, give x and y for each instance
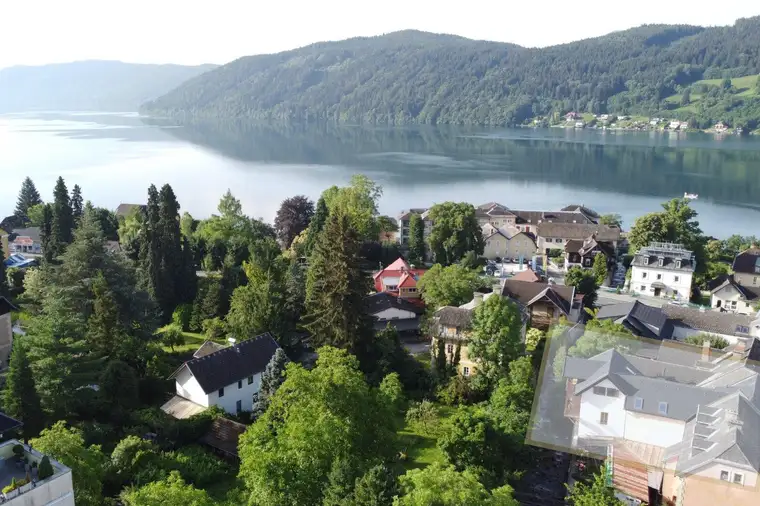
(114, 157)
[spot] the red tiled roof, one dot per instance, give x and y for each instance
(399, 269)
(526, 275)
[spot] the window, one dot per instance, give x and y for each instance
(449, 349)
(643, 275)
(611, 392)
(638, 403)
(643, 288)
(724, 475)
(662, 408)
(221, 392)
(659, 276)
(599, 390)
(412, 290)
(678, 264)
(466, 371)
(240, 384)
(391, 287)
(754, 280)
(676, 279)
(660, 261)
(239, 406)
(603, 418)
(733, 304)
(250, 380)
(738, 478)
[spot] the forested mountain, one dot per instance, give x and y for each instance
(416, 77)
(89, 85)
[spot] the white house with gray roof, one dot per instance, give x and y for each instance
(663, 270)
(678, 423)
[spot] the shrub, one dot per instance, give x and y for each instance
(182, 315)
(197, 466)
(46, 468)
(424, 415)
(18, 451)
(532, 338)
(716, 342)
(457, 391)
(214, 328)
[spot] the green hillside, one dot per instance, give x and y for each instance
(416, 77)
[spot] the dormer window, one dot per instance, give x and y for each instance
(660, 261)
(678, 264)
(662, 408)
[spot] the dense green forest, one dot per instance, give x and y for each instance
(89, 85)
(415, 77)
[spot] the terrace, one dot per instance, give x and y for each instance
(15, 468)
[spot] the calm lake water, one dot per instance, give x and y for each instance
(114, 157)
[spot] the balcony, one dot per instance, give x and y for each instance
(56, 489)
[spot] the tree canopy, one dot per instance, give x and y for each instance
(455, 232)
(496, 337)
(448, 286)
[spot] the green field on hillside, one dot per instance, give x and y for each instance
(745, 87)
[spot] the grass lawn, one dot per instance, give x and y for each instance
(419, 444)
(193, 341)
(745, 87)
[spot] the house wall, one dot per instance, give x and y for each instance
(496, 246)
(232, 394)
(700, 490)
(58, 491)
(390, 281)
(543, 315)
(713, 472)
(680, 333)
(189, 388)
(521, 245)
(394, 313)
(450, 350)
(730, 298)
(409, 293)
(643, 277)
(544, 243)
(6, 339)
(653, 430)
(745, 279)
(592, 405)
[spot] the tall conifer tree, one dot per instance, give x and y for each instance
(46, 233)
(316, 225)
(336, 289)
(63, 221)
(27, 197)
(150, 254)
(77, 204)
(20, 398)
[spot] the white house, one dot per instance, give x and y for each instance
(227, 378)
(670, 421)
(740, 292)
(663, 270)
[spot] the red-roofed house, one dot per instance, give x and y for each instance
(399, 278)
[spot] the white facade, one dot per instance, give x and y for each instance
(591, 422)
(394, 314)
(718, 472)
(232, 398)
(653, 430)
(56, 490)
(680, 333)
(677, 283)
(730, 299)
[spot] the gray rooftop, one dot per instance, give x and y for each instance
(709, 321)
(674, 257)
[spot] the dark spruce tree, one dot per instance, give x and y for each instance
(63, 221)
(3, 274)
(27, 197)
(316, 225)
(46, 234)
(20, 398)
(271, 379)
(292, 218)
(170, 251)
(336, 289)
(77, 203)
(187, 284)
(416, 239)
(150, 253)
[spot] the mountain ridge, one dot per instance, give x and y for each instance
(419, 77)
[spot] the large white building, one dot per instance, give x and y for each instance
(663, 270)
(675, 421)
(227, 378)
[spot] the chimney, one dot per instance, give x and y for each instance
(705, 351)
(478, 298)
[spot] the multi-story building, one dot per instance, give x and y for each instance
(403, 223)
(507, 242)
(663, 270)
(740, 292)
(678, 425)
(57, 489)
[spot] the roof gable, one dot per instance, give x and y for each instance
(748, 261)
(232, 364)
(398, 265)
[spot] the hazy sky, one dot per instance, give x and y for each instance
(34, 32)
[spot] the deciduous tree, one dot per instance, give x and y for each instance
(173, 491)
(358, 201)
(600, 268)
(87, 463)
(292, 218)
(448, 286)
(455, 231)
(595, 494)
(496, 337)
(314, 418)
(585, 283)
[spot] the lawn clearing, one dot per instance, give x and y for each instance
(419, 444)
